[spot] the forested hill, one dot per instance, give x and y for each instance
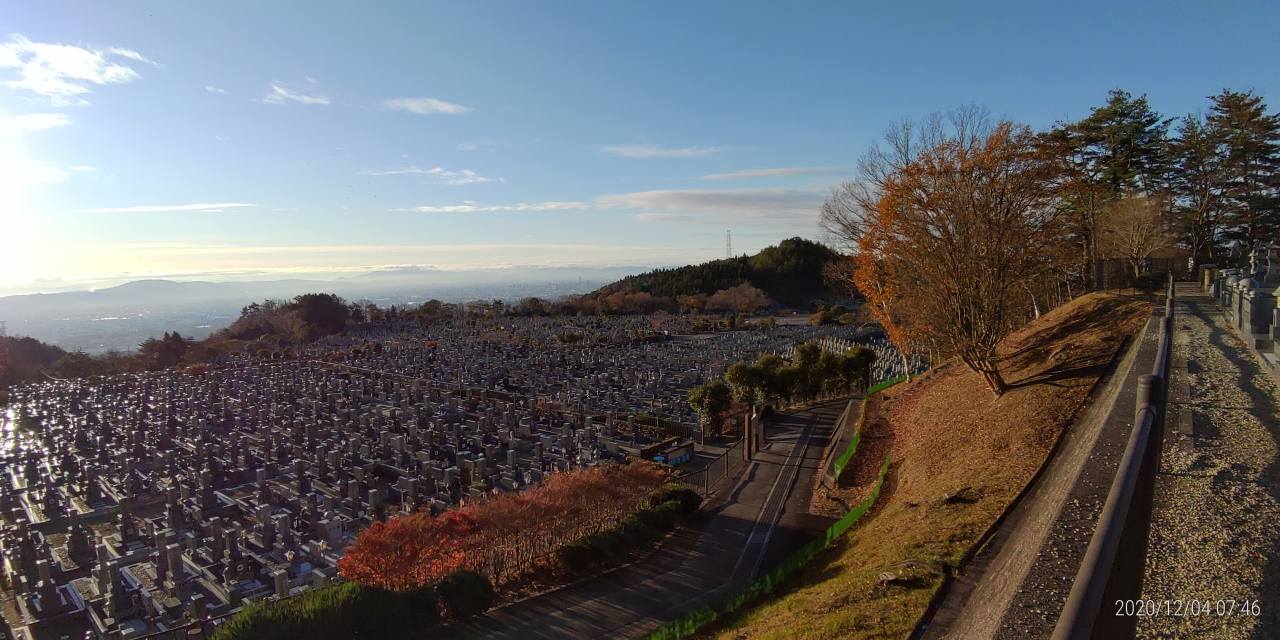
(790, 272)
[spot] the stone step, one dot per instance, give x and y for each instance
(1272, 360)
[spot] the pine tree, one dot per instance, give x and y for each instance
(1197, 185)
(1250, 139)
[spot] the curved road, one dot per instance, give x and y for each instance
(761, 520)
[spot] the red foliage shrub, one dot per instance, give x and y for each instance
(504, 537)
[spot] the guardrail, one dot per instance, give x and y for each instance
(1115, 559)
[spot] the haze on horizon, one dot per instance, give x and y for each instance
(252, 141)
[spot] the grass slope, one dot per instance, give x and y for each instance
(960, 457)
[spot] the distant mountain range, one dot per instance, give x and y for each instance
(121, 316)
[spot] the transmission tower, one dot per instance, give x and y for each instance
(728, 243)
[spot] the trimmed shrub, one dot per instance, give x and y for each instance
(688, 499)
(577, 557)
(465, 593)
(335, 612)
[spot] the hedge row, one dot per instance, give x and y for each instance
(350, 610)
(638, 531)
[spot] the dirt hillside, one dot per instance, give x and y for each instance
(959, 457)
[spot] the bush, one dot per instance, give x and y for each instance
(577, 557)
(465, 593)
(663, 516)
(688, 499)
(336, 612)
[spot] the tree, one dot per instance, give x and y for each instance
(746, 381)
(954, 233)
(710, 400)
(1119, 148)
(1197, 185)
(1250, 138)
(743, 298)
(1133, 229)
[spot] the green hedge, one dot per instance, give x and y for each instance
(335, 612)
(465, 593)
(638, 531)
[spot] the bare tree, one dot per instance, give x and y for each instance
(953, 222)
(1133, 229)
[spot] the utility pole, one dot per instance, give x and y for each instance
(728, 243)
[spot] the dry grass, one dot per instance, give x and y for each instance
(960, 456)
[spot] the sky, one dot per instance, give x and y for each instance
(260, 140)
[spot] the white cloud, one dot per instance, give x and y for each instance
(33, 122)
(212, 89)
(460, 177)
(471, 207)
(62, 72)
(774, 173)
(475, 145)
(282, 93)
(658, 151)
(425, 106)
(22, 172)
(82, 168)
(761, 205)
(168, 208)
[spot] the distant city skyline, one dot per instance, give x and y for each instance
(245, 140)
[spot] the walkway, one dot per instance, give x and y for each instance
(762, 520)
(1215, 534)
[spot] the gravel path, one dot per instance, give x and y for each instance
(1215, 534)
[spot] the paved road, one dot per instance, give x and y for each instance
(760, 521)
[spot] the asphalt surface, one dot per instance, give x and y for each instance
(755, 526)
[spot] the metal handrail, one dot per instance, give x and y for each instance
(1085, 601)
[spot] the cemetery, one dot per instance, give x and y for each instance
(138, 503)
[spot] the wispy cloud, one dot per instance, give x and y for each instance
(171, 208)
(62, 73)
(760, 205)
(33, 122)
(212, 89)
(445, 176)
(281, 93)
(82, 168)
(425, 106)
(778, 172)
(472, 207)
(658, 151)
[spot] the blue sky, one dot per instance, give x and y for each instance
(256, 140)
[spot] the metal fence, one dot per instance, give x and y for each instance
(1115, 559)
(1148, 274)
(717, 473)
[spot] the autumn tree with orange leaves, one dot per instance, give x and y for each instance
(504, 537)
(950, 224)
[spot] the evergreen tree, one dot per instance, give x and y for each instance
(1250, 139)
(1197, 185)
